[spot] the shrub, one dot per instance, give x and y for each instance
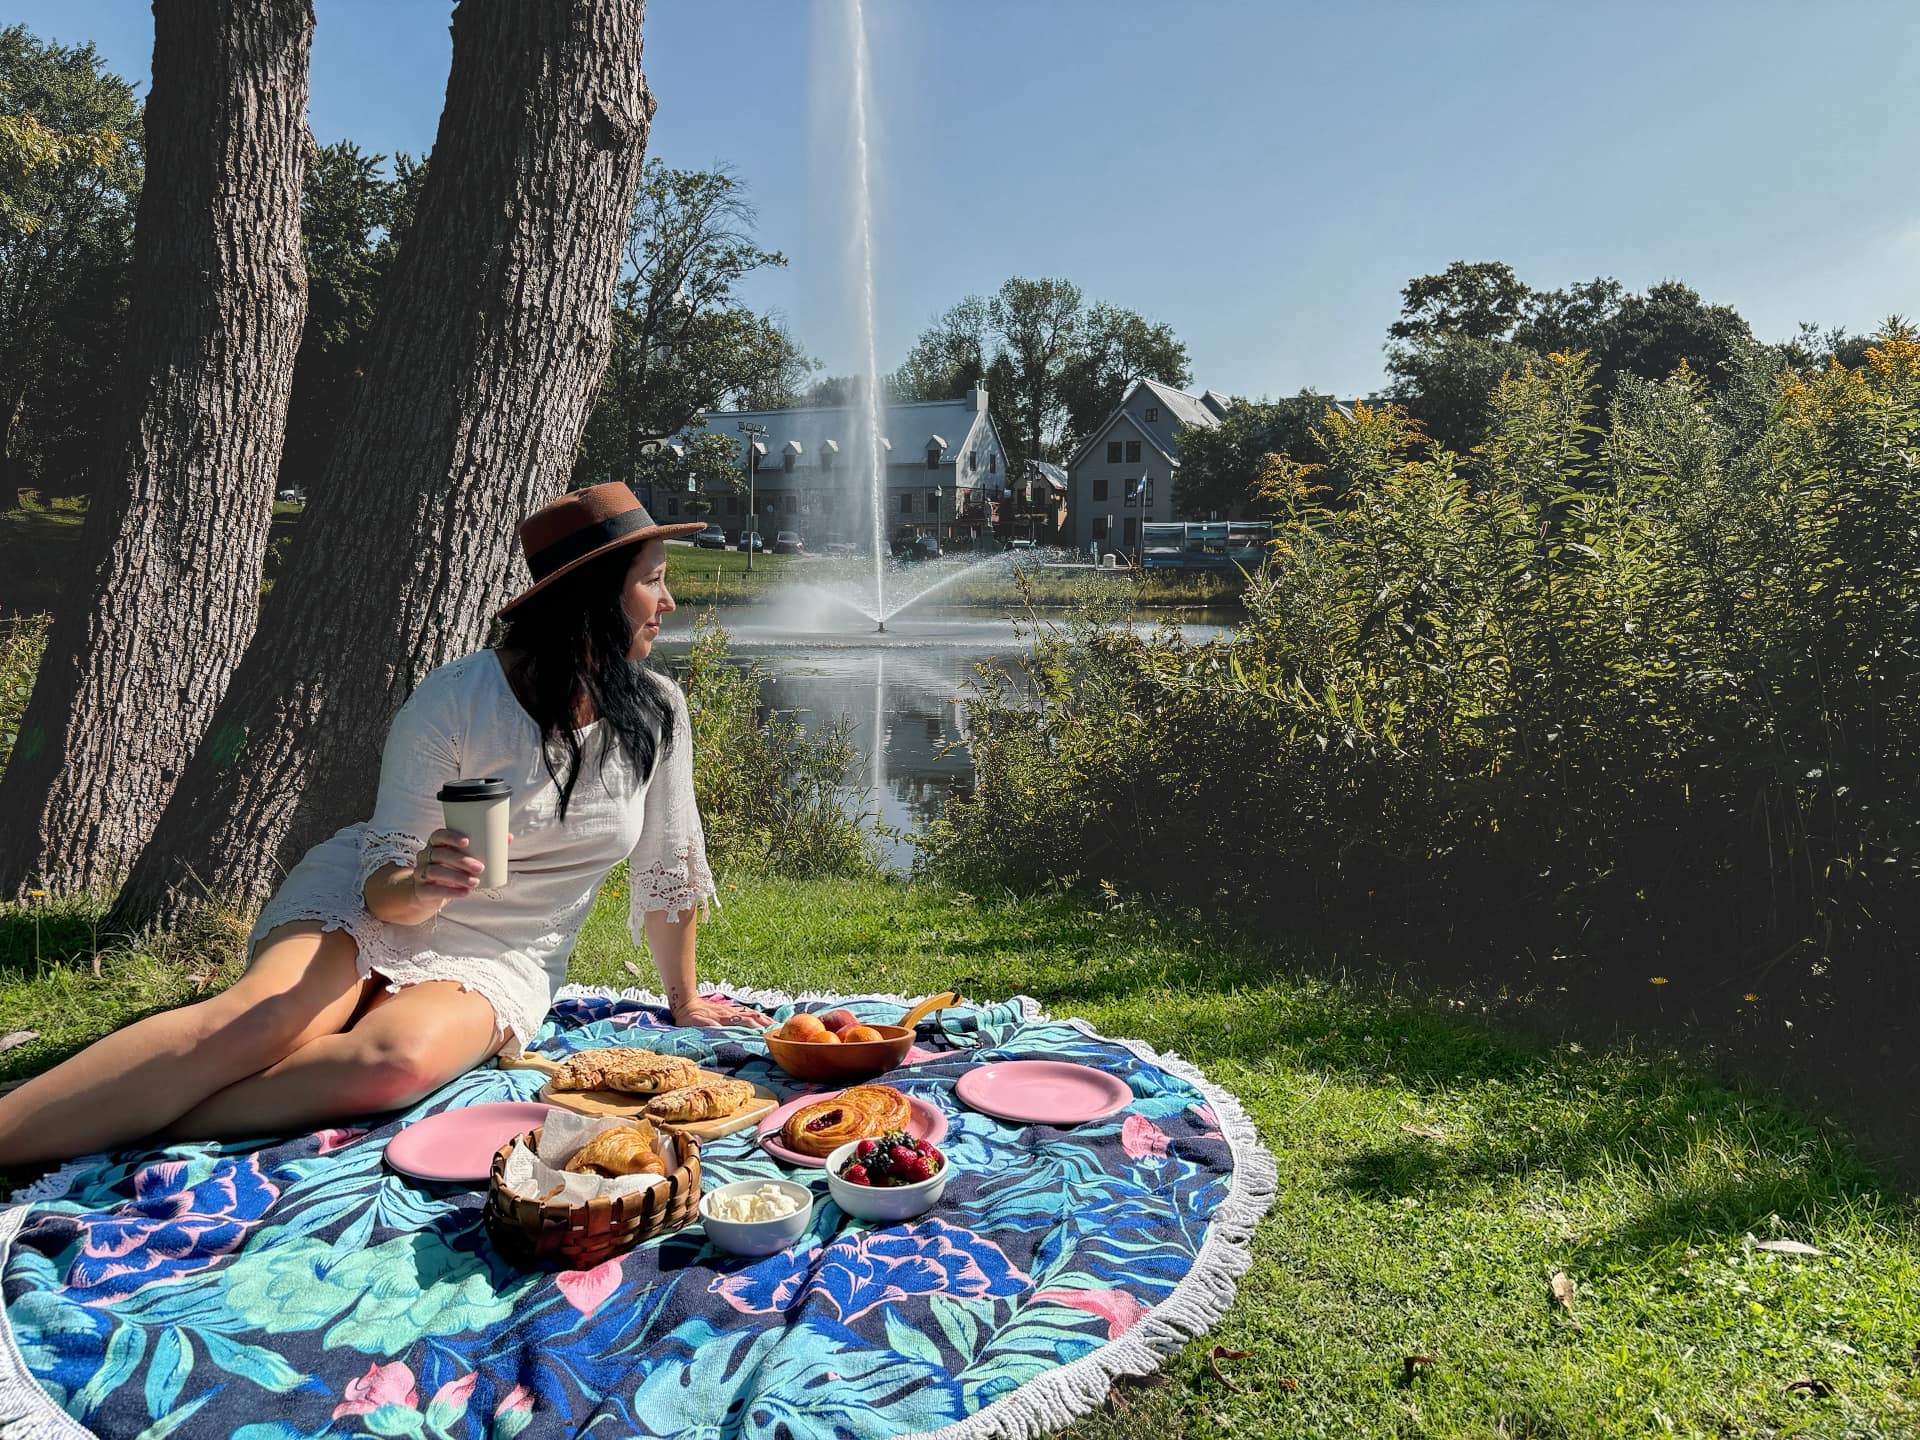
(1654, 678)
(23, 639)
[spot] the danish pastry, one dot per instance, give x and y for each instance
(627, 1150)
(627, 1069)
(709, 1100)
(857, 1113)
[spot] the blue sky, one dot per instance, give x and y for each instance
(1264, 176)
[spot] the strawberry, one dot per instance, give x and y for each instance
(855, 1174)
(866, 1148)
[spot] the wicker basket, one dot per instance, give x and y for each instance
(578, 1237)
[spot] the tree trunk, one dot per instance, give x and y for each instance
(140, 656)
(480, 372)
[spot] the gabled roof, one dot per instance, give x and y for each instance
(1181, 410)
(908, 427)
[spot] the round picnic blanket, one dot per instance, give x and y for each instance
(303, 1288)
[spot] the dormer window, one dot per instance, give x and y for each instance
(790, 455)
(936, 447)
(829, 451)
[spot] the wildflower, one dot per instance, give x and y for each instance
(1749, 996)
(1658, 980)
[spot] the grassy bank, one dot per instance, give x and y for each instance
(1433, 1178)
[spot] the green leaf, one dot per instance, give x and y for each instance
(167, 1372)
(250, 1362)
(124, 1349)
(179, 1417)
(394, 1420)
(905, 1340)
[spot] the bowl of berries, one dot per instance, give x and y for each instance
(891, 1177)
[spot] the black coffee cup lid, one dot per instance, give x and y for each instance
(490, 788)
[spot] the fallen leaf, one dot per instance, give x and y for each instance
(1286, 1384)
(633, 969)
(18, 1037)
(96, 964)
(1425, 1132)
(1788, 1247)
(1221, 1352)
(1810, 1385)
(1415, 1365)
(1117, 1401)
(1563, 1289)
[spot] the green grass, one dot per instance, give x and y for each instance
(707, 577)
(1433, 1177)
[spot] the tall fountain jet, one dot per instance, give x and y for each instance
(863, 221)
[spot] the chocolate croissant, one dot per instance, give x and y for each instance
(630, 1070)
(628, 1150)
(857, 1113)
(709, 1100)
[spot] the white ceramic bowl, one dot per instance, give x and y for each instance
(756, 1237)
(883, 1202)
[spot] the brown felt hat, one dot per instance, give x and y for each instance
(565, 535)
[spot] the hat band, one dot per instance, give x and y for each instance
(584, 541)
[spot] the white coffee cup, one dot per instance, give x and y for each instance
(478, 809)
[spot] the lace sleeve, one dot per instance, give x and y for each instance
(421, 754)
(668, 867)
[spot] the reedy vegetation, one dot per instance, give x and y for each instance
(1654, 678)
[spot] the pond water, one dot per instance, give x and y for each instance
(901, 693)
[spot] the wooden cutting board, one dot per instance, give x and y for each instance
(631, 1107)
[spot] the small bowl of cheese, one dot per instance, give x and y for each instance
(756, 1217)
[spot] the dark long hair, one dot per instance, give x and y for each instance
(570, 642)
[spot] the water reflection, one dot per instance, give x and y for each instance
(902, 695)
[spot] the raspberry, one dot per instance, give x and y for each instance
(865, 1148)
(855, 1175)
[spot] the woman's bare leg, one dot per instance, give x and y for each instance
(404, 1048)
(302, 984)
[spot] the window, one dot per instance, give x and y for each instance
(973, 460)
(1102, 524)
(993, 462)
(1153, 414)
(1100, 488)
(733, 504)
(1140, 491)
(1133, 530)
(673, 504)
(789, 503)
(906, 502)
(1113, 452)
(933, 457)
(1133, 452)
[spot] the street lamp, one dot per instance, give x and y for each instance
(754, 434)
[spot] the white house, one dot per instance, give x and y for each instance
(943, 464)
(1122, 476)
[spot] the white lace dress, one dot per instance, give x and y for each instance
(509, 945)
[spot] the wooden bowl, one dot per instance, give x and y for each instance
(842, 1063)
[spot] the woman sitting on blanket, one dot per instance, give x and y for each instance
(380, 970)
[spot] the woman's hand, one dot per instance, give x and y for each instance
(444, 870)
(705, 1010)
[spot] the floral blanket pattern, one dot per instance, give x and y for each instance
(304, 1289)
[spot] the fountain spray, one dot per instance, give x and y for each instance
(863, 220)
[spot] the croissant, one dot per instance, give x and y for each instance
(857, 1113)
(709, 1100)
(627, 1069)
(628, 1150)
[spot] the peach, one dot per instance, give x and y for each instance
(839, 1021)
(827, 1039)
(805, 1027)
(855, 1034)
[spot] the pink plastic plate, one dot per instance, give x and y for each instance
(928, 1124)
(1043, 1092)
(459, 1144)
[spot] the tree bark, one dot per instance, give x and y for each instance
(480, 373)
(140, 656)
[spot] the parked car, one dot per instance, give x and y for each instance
(711, 538)
(841, 548)
(788, 542)
(924, 547)
(1020, 544)
(753, 540)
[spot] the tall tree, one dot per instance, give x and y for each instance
(1118, 346)
(491, 340)
(69, 179)
(138, 659)
(1039, 325)
(683, 340)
